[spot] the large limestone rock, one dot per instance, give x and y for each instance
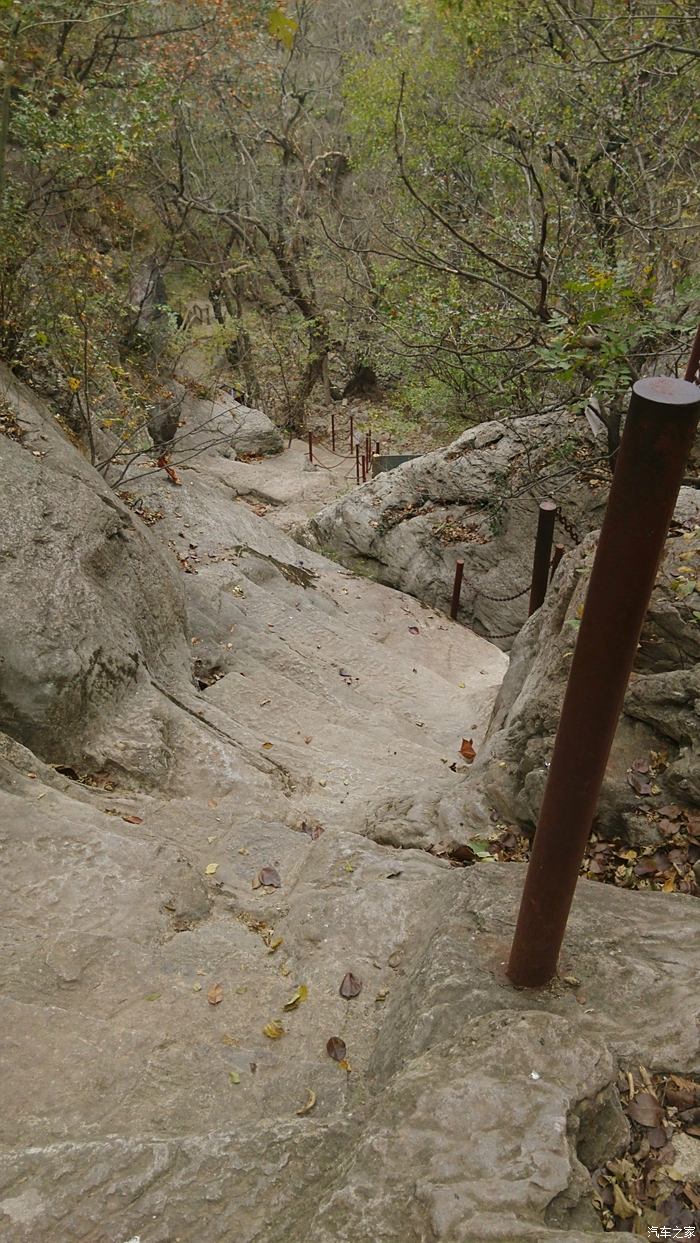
(142, 958)
(223, 423)
(93, 612)
(476, 500)
(659, 726)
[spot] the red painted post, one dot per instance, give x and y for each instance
(656, 444)
(558, 554)
(357, 462)
(376, 448)
(456, 590)
(352, 433)
(543, 553)
(333, 430)
(364, 469)
(311, 447)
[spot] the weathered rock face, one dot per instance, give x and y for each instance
(92, 610)
(477, 499)
(142, 958)
(224, 424)
(659, 726)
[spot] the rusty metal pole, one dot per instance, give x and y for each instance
(456, 590)
(376, 448)
(364, 469)
(333, 430)
(558, 554)
(352, 433)
(357, 462)
(657, 440)
(311, 447)
(692, 371)
(543, 554)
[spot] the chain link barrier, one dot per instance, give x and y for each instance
(568, 526)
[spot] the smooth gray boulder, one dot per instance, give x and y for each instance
(223, 423)
(476, 500)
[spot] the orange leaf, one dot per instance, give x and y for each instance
(467, 751)
(215, 995)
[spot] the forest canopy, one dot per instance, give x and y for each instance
(486, 207)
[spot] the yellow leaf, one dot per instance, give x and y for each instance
(274, 945)
(215, 995)
(282, 28)
(300, 995)
(210, 869)
(306, 1109)
(234, 1076)
(621, 1205)
(274, 1030)
(73, 383)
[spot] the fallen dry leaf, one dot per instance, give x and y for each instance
(266, 746)
(306, 1109)
(350, 986)
(133, 819)
(297, 997)
(646, 1110)
(210, 869)
(234, 1076)
(269, 877)
(467, 751)
(215, 995)
(274, 1030)
(336, 1048)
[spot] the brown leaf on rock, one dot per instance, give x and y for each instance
(215, 995)
(467, 751)
(274, 1030)
(413, 630)
(133, 819)
(350, 986)
(269, 877)
(638, 784)
(336, 1048)
(682, 1093)
(640, 766)
(646, 1110)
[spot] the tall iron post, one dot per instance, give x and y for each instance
(543, 553)
(457, 589)
(656, 444)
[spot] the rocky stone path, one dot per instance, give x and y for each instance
(184, 906)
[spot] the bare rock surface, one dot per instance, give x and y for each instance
(190, 889)
(225, 422)
(476, 500)
(659, 729)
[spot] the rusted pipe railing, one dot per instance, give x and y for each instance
(364, 469)
(311, 447)
(357, 462)
(377, 450)
(543, 554)
(352, 433)
(456, 590)
(692, 371)
(558, 554)
(333, 430)
(656, 444)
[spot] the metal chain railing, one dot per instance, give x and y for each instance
(567, 525)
